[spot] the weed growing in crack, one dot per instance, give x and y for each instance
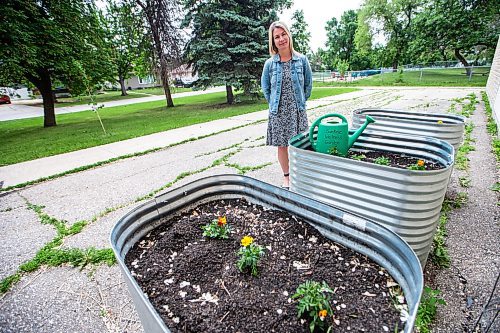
(9, 281)
(440, 254)
(427, 309)
(314, 303)
(461, 160)
(464, 181)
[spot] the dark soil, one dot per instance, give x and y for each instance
(176, 253)
(400, 161)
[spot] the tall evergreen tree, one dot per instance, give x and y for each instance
(229, 41)
(301, 36)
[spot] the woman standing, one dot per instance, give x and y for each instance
(287, 83)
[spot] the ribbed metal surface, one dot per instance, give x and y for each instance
(415, 123)
(364, 236)
(406, 201)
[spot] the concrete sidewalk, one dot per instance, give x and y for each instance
(45, 167)
(95, 299)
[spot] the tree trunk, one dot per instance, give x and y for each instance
(463, 61)
(121, 81)
(164, 82)
(44, 83)
(229, 94)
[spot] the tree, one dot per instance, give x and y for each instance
(126, 39)
(162, 17)
(301, 36)
(456, 27)
(228, 43)
(47, 41)
(393, 18)
(340, 41)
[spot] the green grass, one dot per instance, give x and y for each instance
(26, 139)
(108, 96)
(454, 77)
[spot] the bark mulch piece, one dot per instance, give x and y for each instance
(177, 267)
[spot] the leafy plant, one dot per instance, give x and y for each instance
(249, 254)
(420, 165)
(314, 302)
(333, 151)
(218, 228)
(358, 157)
(382, 160)
(427, 309)
(464, 181)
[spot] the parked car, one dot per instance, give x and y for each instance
(5, 99)
(183, 83)
(61, 92)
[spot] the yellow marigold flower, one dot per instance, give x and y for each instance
(420, 163)
(322, 314)
(247, 240)
(440, 121)
(221, 221)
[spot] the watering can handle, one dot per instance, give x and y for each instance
(315, 124)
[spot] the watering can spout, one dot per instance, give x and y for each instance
(360, 130)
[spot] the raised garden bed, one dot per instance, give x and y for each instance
(405, 201)
(444, 126)
(194, 284)
(303, 240)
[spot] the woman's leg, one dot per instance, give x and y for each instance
(283, 160)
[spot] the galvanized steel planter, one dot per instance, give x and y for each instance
(447, 127)
(363, 236)
(405, 201)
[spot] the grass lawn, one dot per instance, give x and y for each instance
(453, 77)
(26, 139)
(109, 95)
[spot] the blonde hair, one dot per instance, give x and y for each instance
(273, 50)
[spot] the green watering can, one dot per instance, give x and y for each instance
(334, 135)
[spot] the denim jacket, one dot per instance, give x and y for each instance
(272, 78)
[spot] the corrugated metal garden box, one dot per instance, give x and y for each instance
(405, 201)
(447, 127)
(359, 234)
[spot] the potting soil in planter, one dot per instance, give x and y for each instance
(194, 284)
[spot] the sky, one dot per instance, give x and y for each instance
(317, 13)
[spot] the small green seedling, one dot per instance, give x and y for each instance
(382, 160)
(314, 303)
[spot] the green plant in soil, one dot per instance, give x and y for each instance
(382, 160)
(249, 254)
(427, 309)
(218, 228)
(333, 151)
(314, 303)
(420, 165)
(358, 157)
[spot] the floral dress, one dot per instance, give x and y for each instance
(289, 120)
